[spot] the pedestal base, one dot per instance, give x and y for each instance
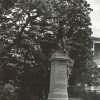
(58, 96)
(58, 77)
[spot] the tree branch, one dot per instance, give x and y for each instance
(19, 35)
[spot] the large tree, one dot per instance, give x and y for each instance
(31, 29)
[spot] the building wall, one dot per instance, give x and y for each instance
(97, 51)
(96, 48)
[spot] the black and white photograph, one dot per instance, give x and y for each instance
(49, 49)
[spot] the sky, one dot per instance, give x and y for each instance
(95, 14)
(95, 17)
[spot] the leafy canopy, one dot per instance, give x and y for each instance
(31, 29)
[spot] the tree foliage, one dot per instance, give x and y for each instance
(31, 29)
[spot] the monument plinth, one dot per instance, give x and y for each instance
(58, 77)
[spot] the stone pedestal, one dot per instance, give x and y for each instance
(58, 78)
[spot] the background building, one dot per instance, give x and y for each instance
(96, 49)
